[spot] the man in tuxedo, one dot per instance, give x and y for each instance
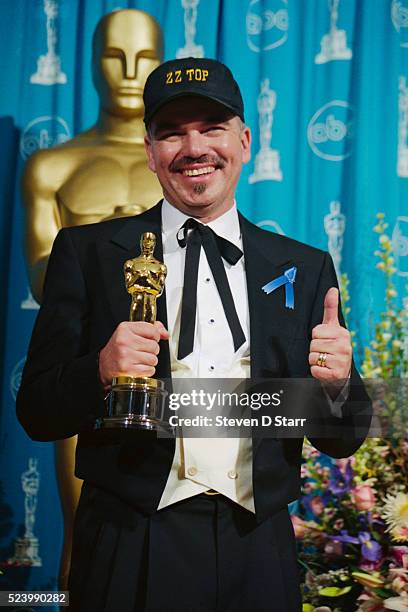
(188, 524)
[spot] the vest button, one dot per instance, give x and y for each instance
(232, 474)
(192, 471)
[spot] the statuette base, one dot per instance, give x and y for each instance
(267, 166)
(48, 71)
(136, 403)
(26, 552)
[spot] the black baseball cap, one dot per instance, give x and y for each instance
(191, 76)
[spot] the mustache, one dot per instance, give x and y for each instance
(213, 160)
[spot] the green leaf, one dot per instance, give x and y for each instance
(334, 591)
(383, 593)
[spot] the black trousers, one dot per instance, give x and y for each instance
(199, 555)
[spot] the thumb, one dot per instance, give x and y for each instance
(331, 307)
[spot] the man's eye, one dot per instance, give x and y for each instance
(214, 129)
(169, 135)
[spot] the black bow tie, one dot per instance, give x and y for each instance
(214, 247)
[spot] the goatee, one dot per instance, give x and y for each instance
(199, 188)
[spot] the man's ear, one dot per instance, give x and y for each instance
(149, 152)
(246, 139)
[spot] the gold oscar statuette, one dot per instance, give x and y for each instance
(139, 401)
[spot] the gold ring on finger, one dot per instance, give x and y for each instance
(321, 360)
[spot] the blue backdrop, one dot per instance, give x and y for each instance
(325, 85)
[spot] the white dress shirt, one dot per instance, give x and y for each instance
(200, 464)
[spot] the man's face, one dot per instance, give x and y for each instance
(127, 48)
(197, 148)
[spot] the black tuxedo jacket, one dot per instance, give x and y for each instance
(84, 301)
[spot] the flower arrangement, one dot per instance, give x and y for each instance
(352, 520)
(386, 356)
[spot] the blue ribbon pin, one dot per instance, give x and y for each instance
(287, 279)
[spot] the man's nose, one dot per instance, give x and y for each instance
(194, 144)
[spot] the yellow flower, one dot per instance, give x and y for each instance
(373, 580)
(395, 511)
(400, 534)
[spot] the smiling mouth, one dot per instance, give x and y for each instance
(198, 171)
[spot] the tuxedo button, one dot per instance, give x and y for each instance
(192, 471)
(232, 474)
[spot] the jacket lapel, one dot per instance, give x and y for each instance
(123, 245)
(270, 319)
(273, 326)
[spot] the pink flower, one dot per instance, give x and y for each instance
(371, 603)
(343, 463)
(400, 554)
(316, 505)
(369, 566)
(363, 497)
(398, 571)
(338, 524)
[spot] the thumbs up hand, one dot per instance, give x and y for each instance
(330, 349)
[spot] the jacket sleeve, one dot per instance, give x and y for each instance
(60, 394)
(341, 435)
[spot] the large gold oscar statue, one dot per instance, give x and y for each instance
(99, 174)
